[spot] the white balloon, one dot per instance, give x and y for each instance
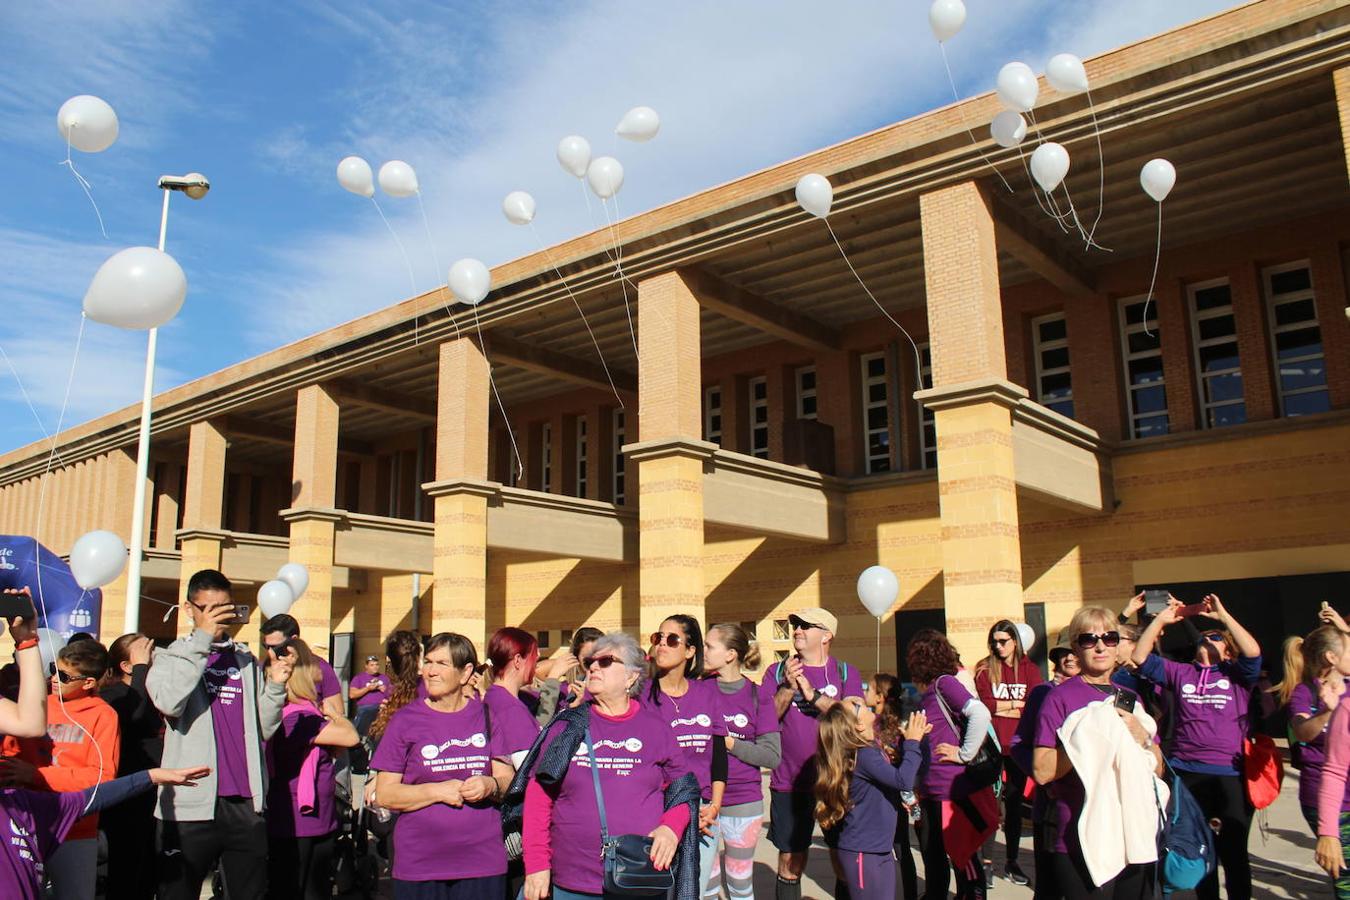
(877, 589)
(354, 174)
(140, 287)
(1066, 74)
(296, 577)
(1008, 128)
(1157, 178)
(574, 155)
(88, 123)
(49, 644)
(815, 195)
(470, 281)
(1026, 636)
(518, 208)
(97, 559)
(274, 598)
(946, 17)
(639, 124)
(397, 179)
(605, 176)
(1049, 165)
(1017, 87)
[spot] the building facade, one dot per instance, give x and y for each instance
(746, 431)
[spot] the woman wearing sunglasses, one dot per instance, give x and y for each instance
(636, 757)
(1094, 640)
(1211, 696)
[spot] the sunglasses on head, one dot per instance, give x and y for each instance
(603, 662)
(1087, 640)
(670, 639)
(1215, 637)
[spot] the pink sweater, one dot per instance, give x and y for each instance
(1331, 792)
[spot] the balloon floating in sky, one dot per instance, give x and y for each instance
(518, 207)
(274, 598)
(1049, 165)
(140, 287)
(877, 589)
(470, 281)
(87, 123)
(946, 17)
(1066, 74)
(815, 195)
(574, 155)
(1017, 87)
(97, 558)
(397, 179)
(1157, 177)
(605, 176)
(639, 124)
(354, 174)
(1008, 128)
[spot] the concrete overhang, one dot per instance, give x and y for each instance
(250, 558)
(767, 497)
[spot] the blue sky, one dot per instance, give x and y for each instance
(265, 98)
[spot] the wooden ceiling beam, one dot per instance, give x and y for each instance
(354, 393)
(1015, 235)
(740, 305)
(509, 350)
(280, 435)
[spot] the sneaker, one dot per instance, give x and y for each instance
(1013, 872)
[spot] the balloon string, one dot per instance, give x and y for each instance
(618, 265)
(83, 183)
(412, 282)
(1101, 169)
(1082, 232)
(1157, 256)
(567, 287)
(520, 466)
(952, 81)
(918, 363)
(27, 399)
(436, 259)
(1036, 192)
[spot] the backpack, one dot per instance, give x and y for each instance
(1263, 770)
(1187, 851)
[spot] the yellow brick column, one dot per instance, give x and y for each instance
(201, 536)
(313, 518)
(972, 402)
(461, 492)
(1341, 78)
(118, 492)
(670, 456)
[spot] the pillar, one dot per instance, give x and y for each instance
(116, 502)
(202, 535)
(972, 401)
(460, 492)
(1341, 80)
(670, 453)
(312, 516)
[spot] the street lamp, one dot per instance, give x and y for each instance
(195, 186)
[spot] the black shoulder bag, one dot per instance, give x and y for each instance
(628, 861)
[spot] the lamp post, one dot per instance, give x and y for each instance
(195, 186)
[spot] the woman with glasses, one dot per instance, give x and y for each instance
(1211, 697)
(629, 750)
(1003, 680)
(957, 815)
(442, 769)
(1094, 638)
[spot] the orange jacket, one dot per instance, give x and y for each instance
(67, 760)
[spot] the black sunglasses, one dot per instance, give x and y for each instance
(603, 662)
(1087, 640)
(999, 642)
(670, 640)
(66, 677)
(803, 624)
(1216, 637)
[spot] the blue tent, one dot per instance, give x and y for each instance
(62, 605)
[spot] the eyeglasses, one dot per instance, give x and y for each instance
(603, 662)
(1216, 637)
(1087, 640)
(670, 639)
(999, 642)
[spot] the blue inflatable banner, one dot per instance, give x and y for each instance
(62, 605)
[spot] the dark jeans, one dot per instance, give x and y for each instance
(490, 887)
(1223, 797)
(130, 829)
(301, 867)
(237, 838)
(363, 718)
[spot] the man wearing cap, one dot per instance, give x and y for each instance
(369, 690)
(809, 682)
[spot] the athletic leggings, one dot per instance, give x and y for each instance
(1339, 886)
(870, 876)
(1014, 784)
(734, 852)
(1223, 797)
(1072, 881)
(937, 870)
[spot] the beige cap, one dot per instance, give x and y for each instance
(814, 615)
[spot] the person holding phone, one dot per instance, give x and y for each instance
(368, 690)
(219, 709)
(1211, 696)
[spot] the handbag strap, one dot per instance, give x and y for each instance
(599, 795)
(946, 710)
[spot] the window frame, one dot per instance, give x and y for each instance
(710, 434)
(804, 394)
(1125, 329)
(752, 404)
(926, 416)
(1273, 329)
(583, 456)
(1039, 348)
(619, 477)
(868, 404)
(1195, 315)
(546, 457)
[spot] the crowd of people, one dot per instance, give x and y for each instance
(614, 768)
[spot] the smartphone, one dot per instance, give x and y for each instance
(1192, 609)
(17, 606)
(1155, 601)
(240, 613)
(1125, 700)
(1326, 605)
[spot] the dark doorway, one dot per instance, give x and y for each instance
(906, 623)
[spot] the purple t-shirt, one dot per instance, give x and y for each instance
(34, 823)
(944, 780)
(286, 752)
(442, 842)
(638, 756)
(797, 770)
(225, 687)
(696, 719)
(374, 697)
(747, 721)
(1067, 793)
(329, 686)
(511, 720)
(1313, 754)
(1210, 708)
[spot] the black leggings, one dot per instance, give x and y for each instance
(1223, 797)
(301, 867)
(936, 869)
(1072, 882)
(904, 855)
(1014, 784)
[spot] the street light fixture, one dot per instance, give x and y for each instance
(195, 185)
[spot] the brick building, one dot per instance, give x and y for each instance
(769, 434)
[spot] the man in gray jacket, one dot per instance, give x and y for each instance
(219, 708)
